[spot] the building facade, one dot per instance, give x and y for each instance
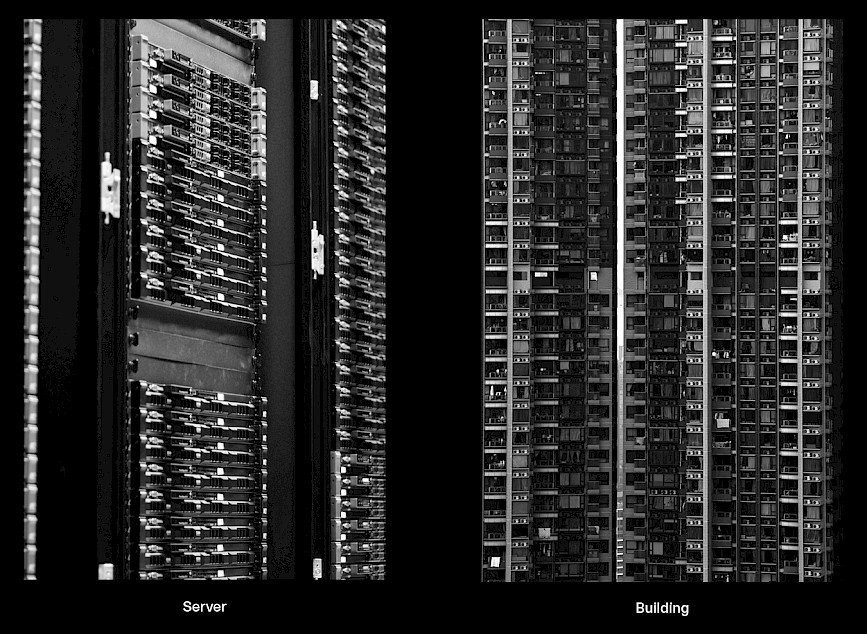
(732, 206)
(549, 312)
(723, 442)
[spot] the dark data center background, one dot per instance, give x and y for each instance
(84, 340)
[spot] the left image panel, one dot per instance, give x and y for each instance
(205, 226)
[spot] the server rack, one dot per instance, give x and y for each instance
(198, 470)
(177, 354)
(32, 154)
(357, 471)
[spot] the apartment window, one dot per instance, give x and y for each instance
(521, 73)
(768, 47)
(571, 501)
(520, 27)
(661, 78)
(662, 32)
(634, 410)
(633, 433)
(571, 479)
(599, 478)
(568, 167)
(812, 45)
(662, 55)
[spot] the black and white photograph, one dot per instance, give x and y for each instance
(239, 225)
(598, 340)
(662, 347)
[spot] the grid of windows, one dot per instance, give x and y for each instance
(731, 199)
(549, 258)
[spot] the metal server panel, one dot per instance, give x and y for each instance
(32, 138)
(358, 464)
(197, 284)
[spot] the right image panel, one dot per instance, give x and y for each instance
(662, 202)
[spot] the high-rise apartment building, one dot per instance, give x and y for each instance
(732, 205)
(224, 330)
(549, 305)
(720, 437)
